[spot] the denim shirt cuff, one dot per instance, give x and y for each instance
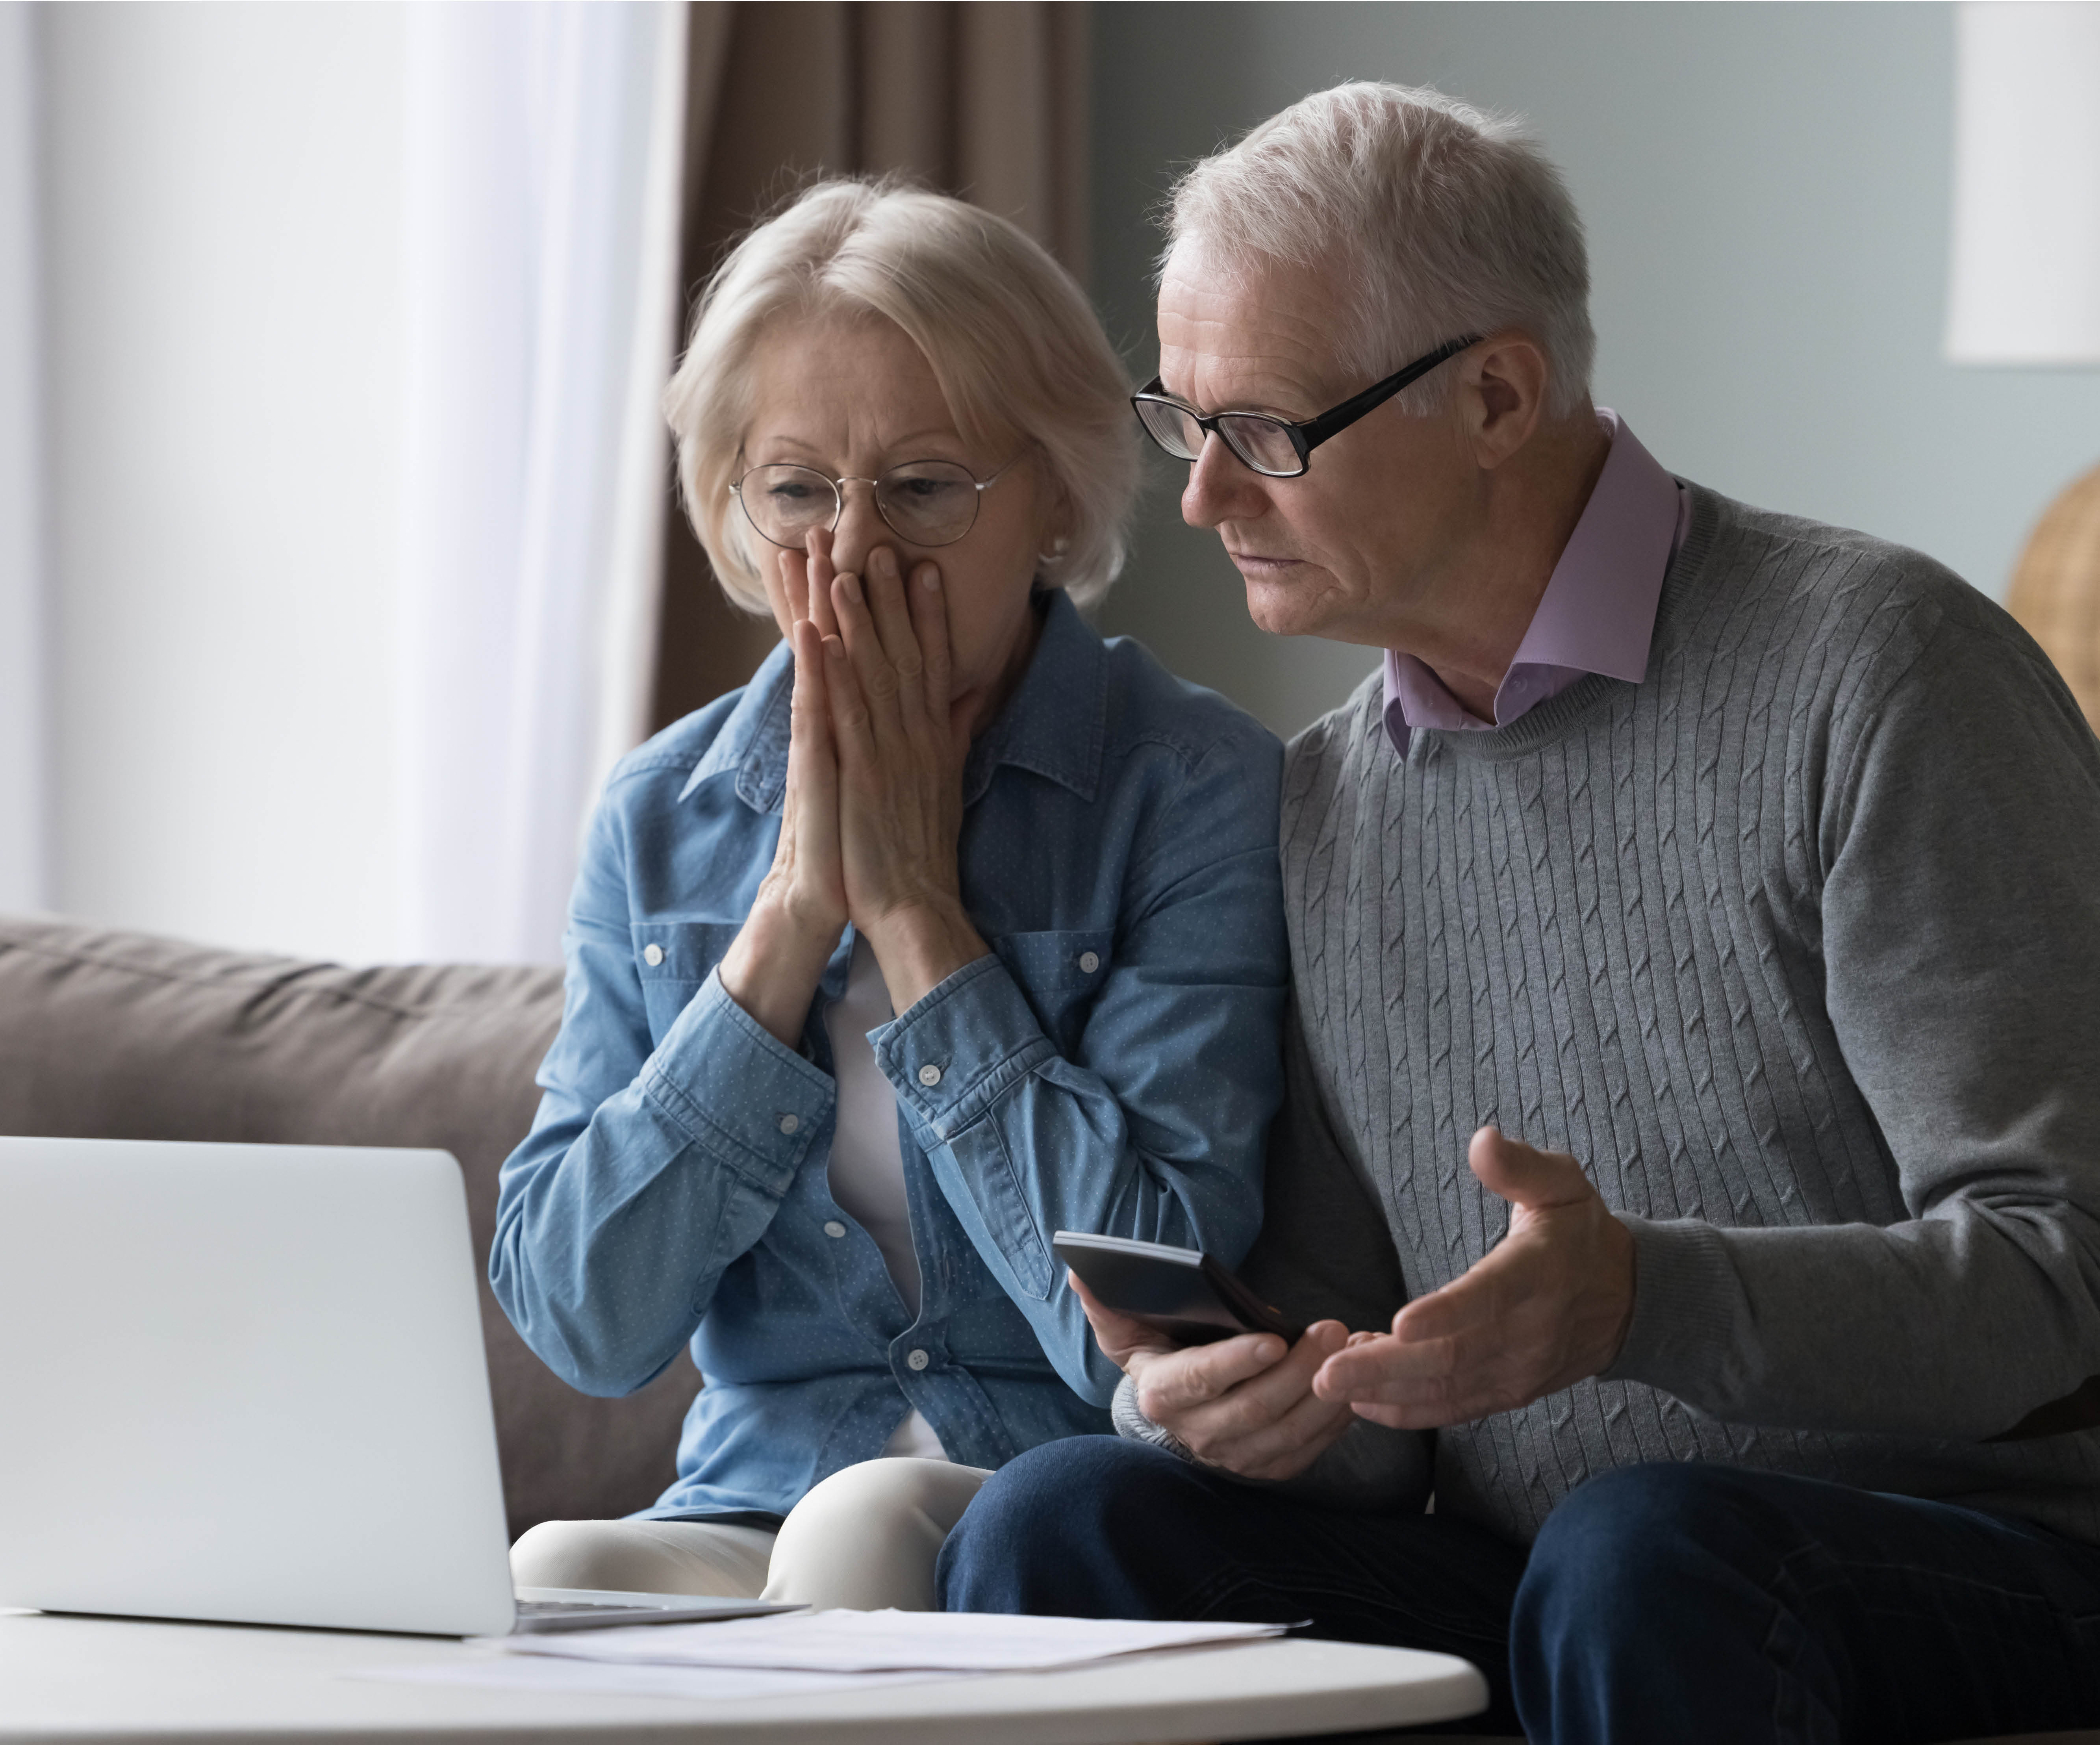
(952, 1056)
(741, 1094)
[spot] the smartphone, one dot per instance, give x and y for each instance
(1184, 1292)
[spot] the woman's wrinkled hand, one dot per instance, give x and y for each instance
(772, 967)
(899, 759)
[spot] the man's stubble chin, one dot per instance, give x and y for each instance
(1296, 608)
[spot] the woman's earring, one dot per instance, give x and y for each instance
(1057, 547)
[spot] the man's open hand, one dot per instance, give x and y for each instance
(1246, 1403)
(1547, 1306)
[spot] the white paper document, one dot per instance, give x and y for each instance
(696, 1684)
(885, 1641)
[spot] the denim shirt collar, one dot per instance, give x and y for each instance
(1053, 725)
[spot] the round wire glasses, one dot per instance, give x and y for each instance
(1275, 448)
(925, 502)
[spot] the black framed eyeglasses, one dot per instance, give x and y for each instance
(925, 502)
(1275, 448)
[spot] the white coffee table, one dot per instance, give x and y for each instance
(84, 1682)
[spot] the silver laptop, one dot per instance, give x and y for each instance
(247, 1384)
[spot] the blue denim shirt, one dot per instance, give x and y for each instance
(1112, 1067)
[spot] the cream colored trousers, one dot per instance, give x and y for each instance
(866, 1538)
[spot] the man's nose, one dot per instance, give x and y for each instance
(1221, 488)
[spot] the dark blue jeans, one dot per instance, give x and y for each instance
(1665, 1602)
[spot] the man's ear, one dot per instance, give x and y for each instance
(1501, 389)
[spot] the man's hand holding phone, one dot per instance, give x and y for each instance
(1244, 1403)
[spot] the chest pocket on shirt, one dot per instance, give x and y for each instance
(1062, 974)
(672, 958)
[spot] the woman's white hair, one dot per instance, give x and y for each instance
(1016, 346)
(1442, 219)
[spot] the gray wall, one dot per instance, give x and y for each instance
(1766, 191)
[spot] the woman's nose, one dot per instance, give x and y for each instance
(860, 530)
(1221, 488)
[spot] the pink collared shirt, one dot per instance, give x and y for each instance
(1598, 612)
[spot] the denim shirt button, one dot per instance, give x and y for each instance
(917, 1359)
(652, 954)
(930, 1076)
(1089, 962)
(789, 1122)
(834, 1229)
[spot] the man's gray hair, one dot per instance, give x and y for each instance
(1443, 220)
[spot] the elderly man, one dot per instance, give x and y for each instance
(1696, 930)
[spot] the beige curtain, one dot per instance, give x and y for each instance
(982, 99)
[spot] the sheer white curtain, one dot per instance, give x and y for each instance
(543, 165)
(25, 736)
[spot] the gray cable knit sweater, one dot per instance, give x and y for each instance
(1796, 945)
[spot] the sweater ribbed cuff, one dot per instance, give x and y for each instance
(1686, 1300)
(1132, 1425)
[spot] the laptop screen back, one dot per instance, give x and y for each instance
(245, 1383)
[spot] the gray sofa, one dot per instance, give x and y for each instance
(106, 1033)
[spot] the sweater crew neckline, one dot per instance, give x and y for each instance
(1548, 721)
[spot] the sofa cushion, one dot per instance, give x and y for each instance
(113, 1035)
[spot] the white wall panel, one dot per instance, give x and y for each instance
(222, 183)
(25, 740)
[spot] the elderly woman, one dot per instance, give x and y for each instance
(957, 926)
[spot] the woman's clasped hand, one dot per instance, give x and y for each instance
(873, 806)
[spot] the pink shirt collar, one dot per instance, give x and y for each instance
(1598, 612)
